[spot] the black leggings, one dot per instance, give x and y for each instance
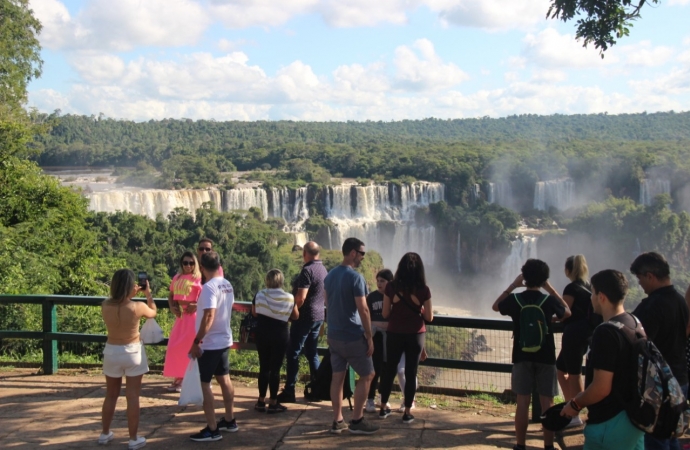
(378, 361)
(397, 344)
(271, 345)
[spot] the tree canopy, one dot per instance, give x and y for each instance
(600, 22)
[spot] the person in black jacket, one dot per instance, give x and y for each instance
(664, 315)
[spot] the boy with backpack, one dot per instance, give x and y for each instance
(534, 349)
(611, 370)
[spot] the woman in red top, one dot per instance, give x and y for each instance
(406, 305)
(184, 292)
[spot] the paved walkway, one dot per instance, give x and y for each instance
(63, 411)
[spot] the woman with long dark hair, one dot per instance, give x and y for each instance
(184, 292)
(124, 353)
(577, 330)
(407, 306)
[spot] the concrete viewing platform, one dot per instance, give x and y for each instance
(64, 411)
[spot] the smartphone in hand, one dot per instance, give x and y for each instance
(143, 277)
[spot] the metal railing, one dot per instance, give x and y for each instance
(443, 326)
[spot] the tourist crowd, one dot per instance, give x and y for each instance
(381, 334)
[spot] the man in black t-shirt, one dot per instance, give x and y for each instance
(664, 315)
(539, 366)
(611, 370)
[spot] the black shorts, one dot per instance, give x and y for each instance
(213, 362)
(573, 348)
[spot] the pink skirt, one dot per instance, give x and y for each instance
(181, 339)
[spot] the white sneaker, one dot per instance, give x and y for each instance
(371, 406)
(138, 443)
(105, 438)
(575, 422)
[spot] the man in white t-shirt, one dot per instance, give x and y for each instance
(211, 346)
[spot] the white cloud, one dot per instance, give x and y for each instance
(548, 76)
(97, 68)
(226, 45)
(679, 2)
(552, 50)
(644, 54)
(424, 70)
(358, 13)
(491, 14)
(121, 25)
(248, 13)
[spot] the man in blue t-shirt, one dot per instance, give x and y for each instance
(349, 336)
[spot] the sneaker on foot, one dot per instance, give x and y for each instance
(105, 438)
(363, 427)
(260, 406)
(277, 408)
(224, 425)
(206, 435)
(408, 418)
(371, 407)
(286, 397)
(338, 427)
(385, 412)
(139, 442)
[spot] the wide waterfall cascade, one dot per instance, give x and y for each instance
(557, 193)
(651, 187)
(521, 250)
(383, 217)
(150, 202)
(243, 199)
(291, 206)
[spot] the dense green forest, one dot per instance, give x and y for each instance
(614, 151)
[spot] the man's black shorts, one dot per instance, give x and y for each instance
(213, 362)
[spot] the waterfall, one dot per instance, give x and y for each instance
(151, 202)
(476, 193)
(383, 217)
(243, 199)
(521, 249)
(651, 187)
(500, 192)
(557, 193)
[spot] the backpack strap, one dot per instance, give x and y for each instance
(518, 301)
(539, 305)
(404, 300)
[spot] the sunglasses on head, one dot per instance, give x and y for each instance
(188, 263)
(204, 249)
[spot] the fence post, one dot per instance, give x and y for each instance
(50, 353)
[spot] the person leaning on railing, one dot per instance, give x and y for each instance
(124, 354)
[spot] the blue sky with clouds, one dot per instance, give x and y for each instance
(349, 60)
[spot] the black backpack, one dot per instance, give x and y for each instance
(658, 406)
(248, 328)
(320, 389)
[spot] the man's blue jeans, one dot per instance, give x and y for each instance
(652, 443)
(304, 337)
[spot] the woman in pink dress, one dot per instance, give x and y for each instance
(184, 292)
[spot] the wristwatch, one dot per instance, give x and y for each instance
(197, 341)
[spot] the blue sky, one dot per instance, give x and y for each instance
(349, 60)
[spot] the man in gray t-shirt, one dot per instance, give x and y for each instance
(349, 336)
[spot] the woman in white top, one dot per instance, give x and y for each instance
(273, 308)
(124, 353)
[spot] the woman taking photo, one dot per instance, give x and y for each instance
(184, 292)
(273, 308)
(576, 329)
(124, 354)
(406, 305)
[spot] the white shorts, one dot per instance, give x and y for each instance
(124, 360)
